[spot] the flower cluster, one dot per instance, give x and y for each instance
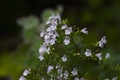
(25, 73)
(50, 35)
(57, 70)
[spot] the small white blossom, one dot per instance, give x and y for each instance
(74, 72)
(99, 55)
(76, 78)
(64, 58)
(84, 30)
(115, 78)
(46, 37)
(52, 41)
(43, 79)
(68, 31)
(107, 55)
(22, 78)
(43, 49)
(52, 28)
(60, 70)
(42, 33)
(65, 74)
(41, 57)
(102, 42)
(88, 52)
(67, 40)
(59, 18)
(49, 69)
(106, 79)
(57, 66)
(64, 26)
(26, 72)
(59, 77)
(48, 21)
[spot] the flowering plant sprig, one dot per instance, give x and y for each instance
(61, 58)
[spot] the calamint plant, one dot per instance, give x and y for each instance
(64, 56)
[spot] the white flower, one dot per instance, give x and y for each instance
(26, 72)
(67, 40)
(60, 73)
(42, 49)
(59, 77)
(107, 55)
(48, 21)
(64, 26)
(22, 78)
(102, 42)
(58, 18)
(43, 79)
(99, 55)
(42, 33)
(57, 66)
(49, 69)
(106, 79)
(41, 57)
(68, 31)
(88, 52)
(82, 78)
(74, 72)
(76, 78)
(84, 30)
(46, 37)
(52, 27)
(64, 58)
(115, 78)
(65, 74)
(60, 70)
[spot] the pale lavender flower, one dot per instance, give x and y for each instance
(60, 73)
(49, 69)
(52, 27)
(26, 72)
(115, 78)
(64, 26)
(59, 77)
(65, 74)
(43, 49)
(22, 78)
(57, 66)
(52, 41)
(43, 79)
(67, 40)
(58, 18)
(74, 72)
(68, 31)
(102, 42)
(76, 78)
(42, 33)
(60, 70)
(88, 52)
(41, 57)
(107, 55)
(99, 55)
(84, 30)
(106, 79)
(48, 21)
(64, 58)
(46, 37)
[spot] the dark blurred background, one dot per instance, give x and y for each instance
(101, 17)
